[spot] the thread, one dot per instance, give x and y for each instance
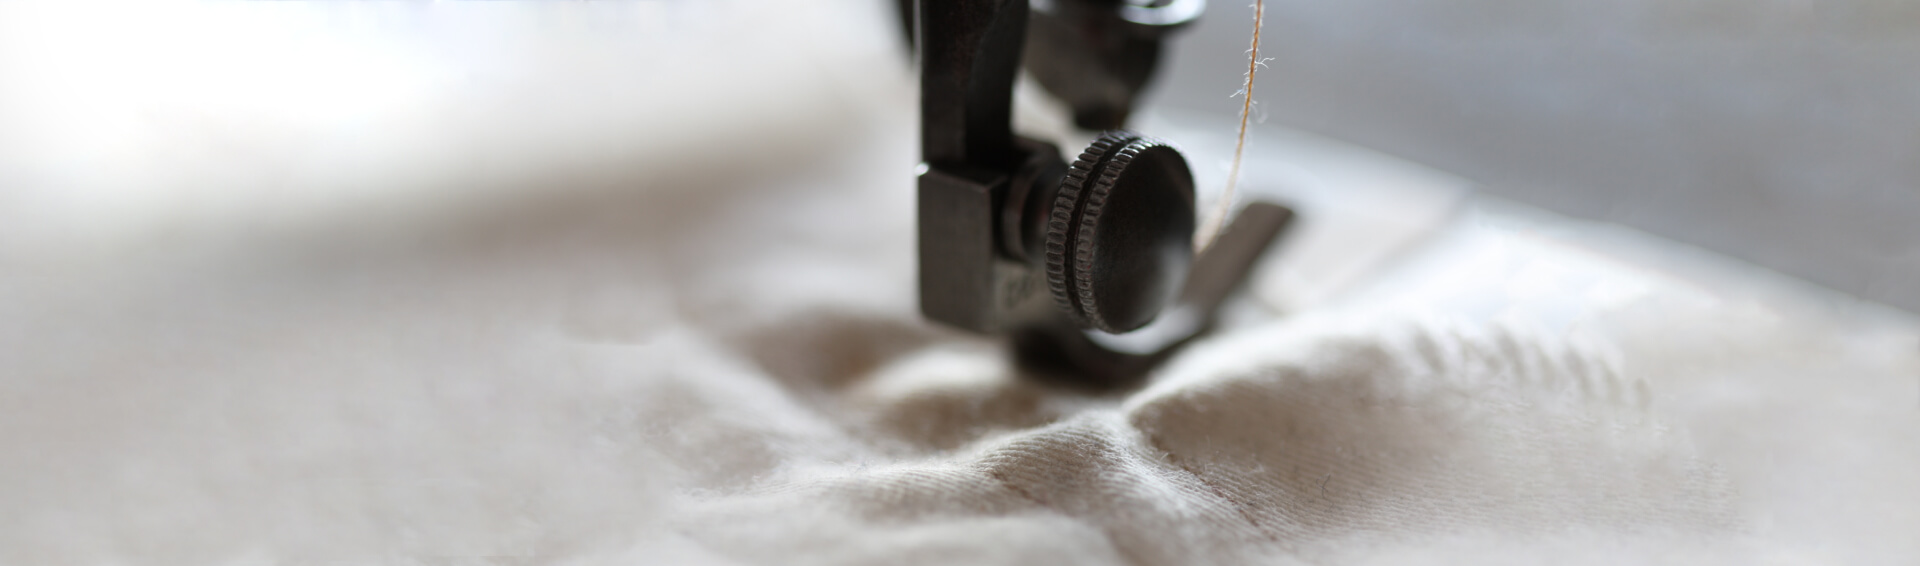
(1210, 229)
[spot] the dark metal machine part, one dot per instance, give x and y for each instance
(1095, 55)
(1064, 348)
(1120, 234)
(1088, 267)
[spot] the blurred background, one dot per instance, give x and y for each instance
(1785, 133)
(1781, 132)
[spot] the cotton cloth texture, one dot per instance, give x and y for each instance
(587, 332)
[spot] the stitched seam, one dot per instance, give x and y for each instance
(1239, 507)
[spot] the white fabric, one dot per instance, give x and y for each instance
(551, 340)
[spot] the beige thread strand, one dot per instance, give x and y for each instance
(1211, 229)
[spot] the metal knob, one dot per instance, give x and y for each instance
(1119, 235)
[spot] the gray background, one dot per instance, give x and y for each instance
(1783, 133)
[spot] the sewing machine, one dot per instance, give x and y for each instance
(1089, 267)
